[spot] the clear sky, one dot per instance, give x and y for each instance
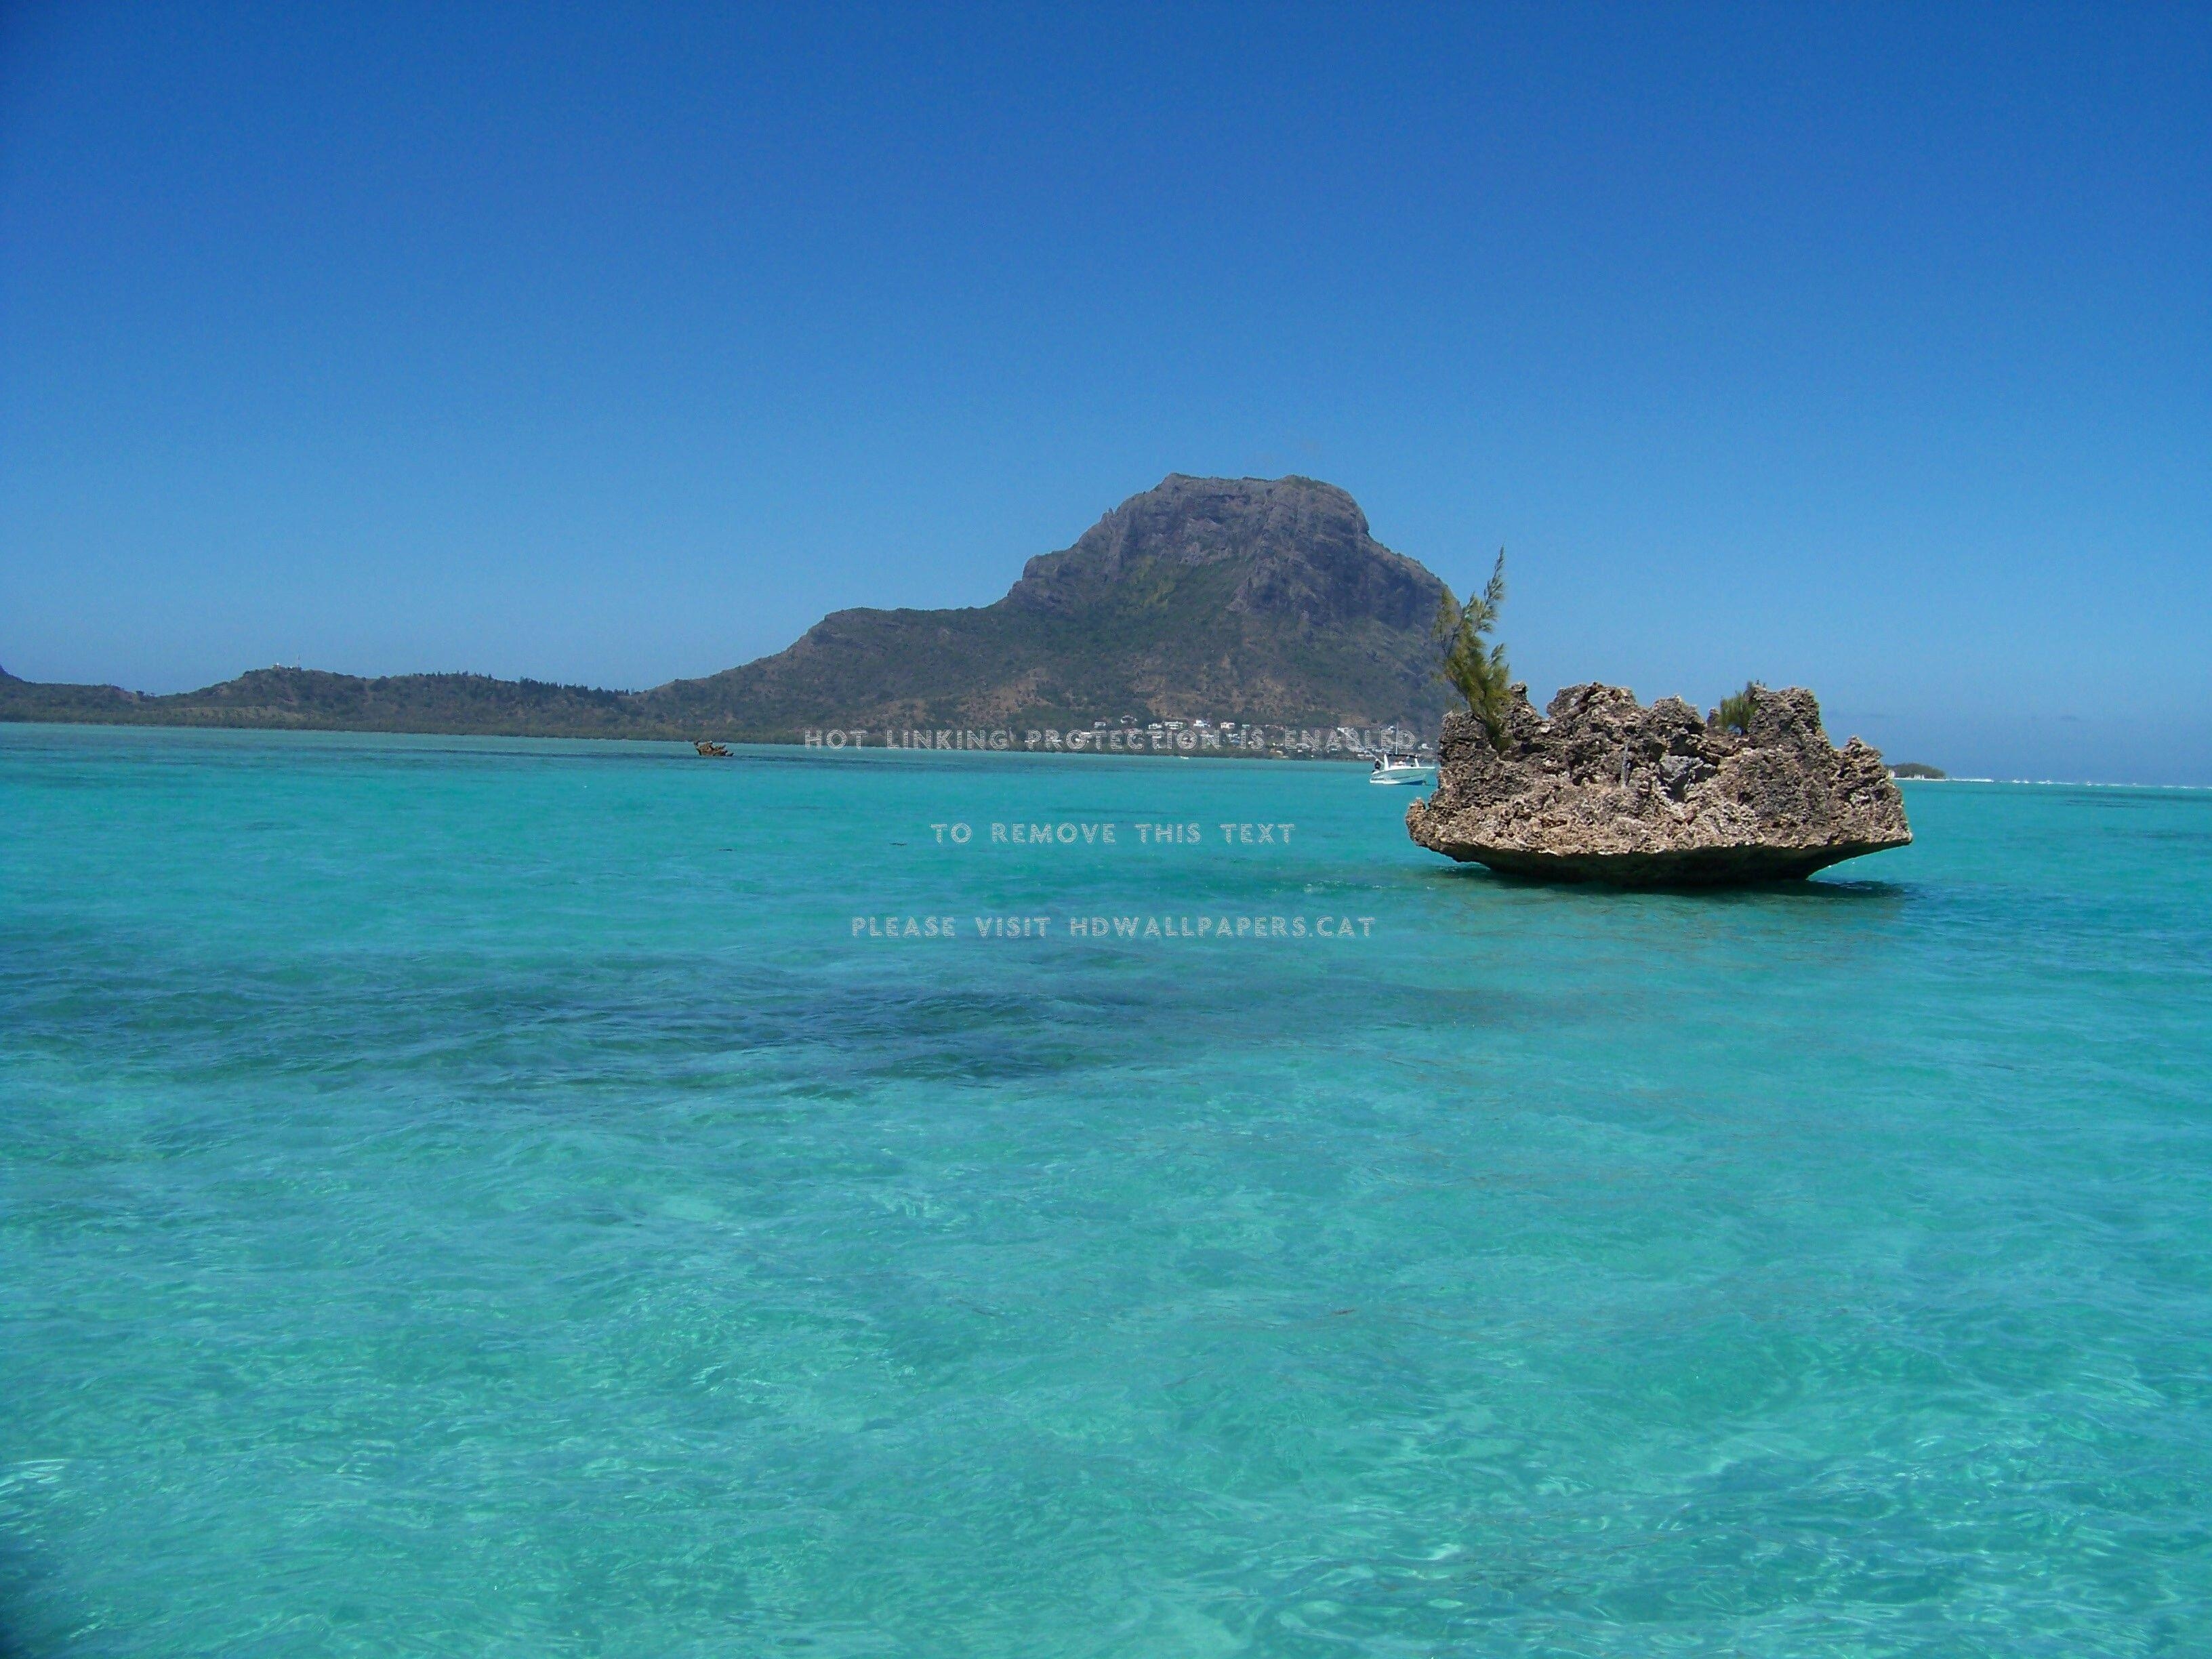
(1863, 348)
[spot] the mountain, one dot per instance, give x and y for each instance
(1258, 599)
(1263, 600)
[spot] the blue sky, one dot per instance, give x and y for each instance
(1865, 347)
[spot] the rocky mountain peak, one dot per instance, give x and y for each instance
(1298, 549)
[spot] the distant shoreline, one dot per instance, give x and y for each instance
(468, 705)
(682, 742)
(7, 719)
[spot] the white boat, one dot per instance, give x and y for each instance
(1401, 768)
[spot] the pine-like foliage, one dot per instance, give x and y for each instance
(1734, 712)
(1473, 665)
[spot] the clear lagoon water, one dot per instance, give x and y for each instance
(480, 1197)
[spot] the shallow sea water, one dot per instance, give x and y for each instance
(479, 1197)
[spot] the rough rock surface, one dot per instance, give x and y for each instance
(1600, 788)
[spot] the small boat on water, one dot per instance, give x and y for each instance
(1401, 768)
(713, 750)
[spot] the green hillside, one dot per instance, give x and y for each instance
(1249, 599)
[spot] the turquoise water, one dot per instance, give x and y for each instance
(479, 1197)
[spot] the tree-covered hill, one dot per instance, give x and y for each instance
(1260, 601)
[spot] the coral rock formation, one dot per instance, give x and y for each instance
(1600, 788)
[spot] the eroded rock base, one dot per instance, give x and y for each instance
(1601, 789)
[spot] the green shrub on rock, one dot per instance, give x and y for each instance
(1473, 665)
